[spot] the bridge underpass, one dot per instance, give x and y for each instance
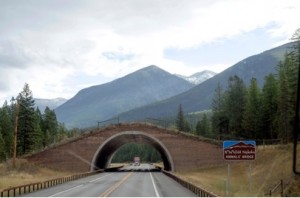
(95, 149)
(106, 151)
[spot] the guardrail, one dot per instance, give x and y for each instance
(195, 189)
(28, 188)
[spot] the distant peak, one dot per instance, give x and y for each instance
(147, 72)
(152, 67)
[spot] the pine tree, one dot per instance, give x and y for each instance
(187, 127)
(50, 127)
(284, 111)
(2, 148)
(269, 107)
(62, 132)
(288, 80)
(38, 132)
(203, 127)
(296, 62)
(7, 128)
(251, 116)
(220, 122)
(235, 105)
(40, 121)
(295, 65)
(180, 121)
(29, 137)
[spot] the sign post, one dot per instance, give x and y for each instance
(228, 181)
(239, 151)
(250, 179)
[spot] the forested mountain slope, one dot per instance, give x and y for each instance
(199, 97)
(100, 102)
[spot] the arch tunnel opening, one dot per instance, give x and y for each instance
(106, 151)
(130, 151)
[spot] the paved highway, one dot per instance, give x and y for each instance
(130, 181)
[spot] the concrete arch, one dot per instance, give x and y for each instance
(105, 152)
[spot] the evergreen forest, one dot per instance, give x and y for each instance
(35, 130)
(251, 112)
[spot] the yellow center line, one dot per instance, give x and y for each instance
(114, 187)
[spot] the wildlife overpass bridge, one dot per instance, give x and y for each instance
(94, 149)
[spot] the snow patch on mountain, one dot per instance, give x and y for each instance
(198, 77)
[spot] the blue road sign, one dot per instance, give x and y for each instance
(239, 150)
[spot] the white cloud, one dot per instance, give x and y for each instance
(55, 40)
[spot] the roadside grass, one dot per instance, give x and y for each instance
(25, 173)
(272, 164)
(294, 191)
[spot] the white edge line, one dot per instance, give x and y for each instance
(66, 190)
(100, 178)
(155, 189)
(79, 185)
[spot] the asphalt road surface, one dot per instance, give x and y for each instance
(130, 181)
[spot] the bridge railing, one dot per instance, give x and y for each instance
(192, 187)
(165, 123)
(105, 123)
(32, 187)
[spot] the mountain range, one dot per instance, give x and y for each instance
(199, 97)
(155, 93)
(97, 103)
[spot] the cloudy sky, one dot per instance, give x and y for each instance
(61, 46)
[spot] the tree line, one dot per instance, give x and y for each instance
(35, 130)
(252, 112)
(128, 151)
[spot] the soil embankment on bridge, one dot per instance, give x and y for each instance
(94, 149)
